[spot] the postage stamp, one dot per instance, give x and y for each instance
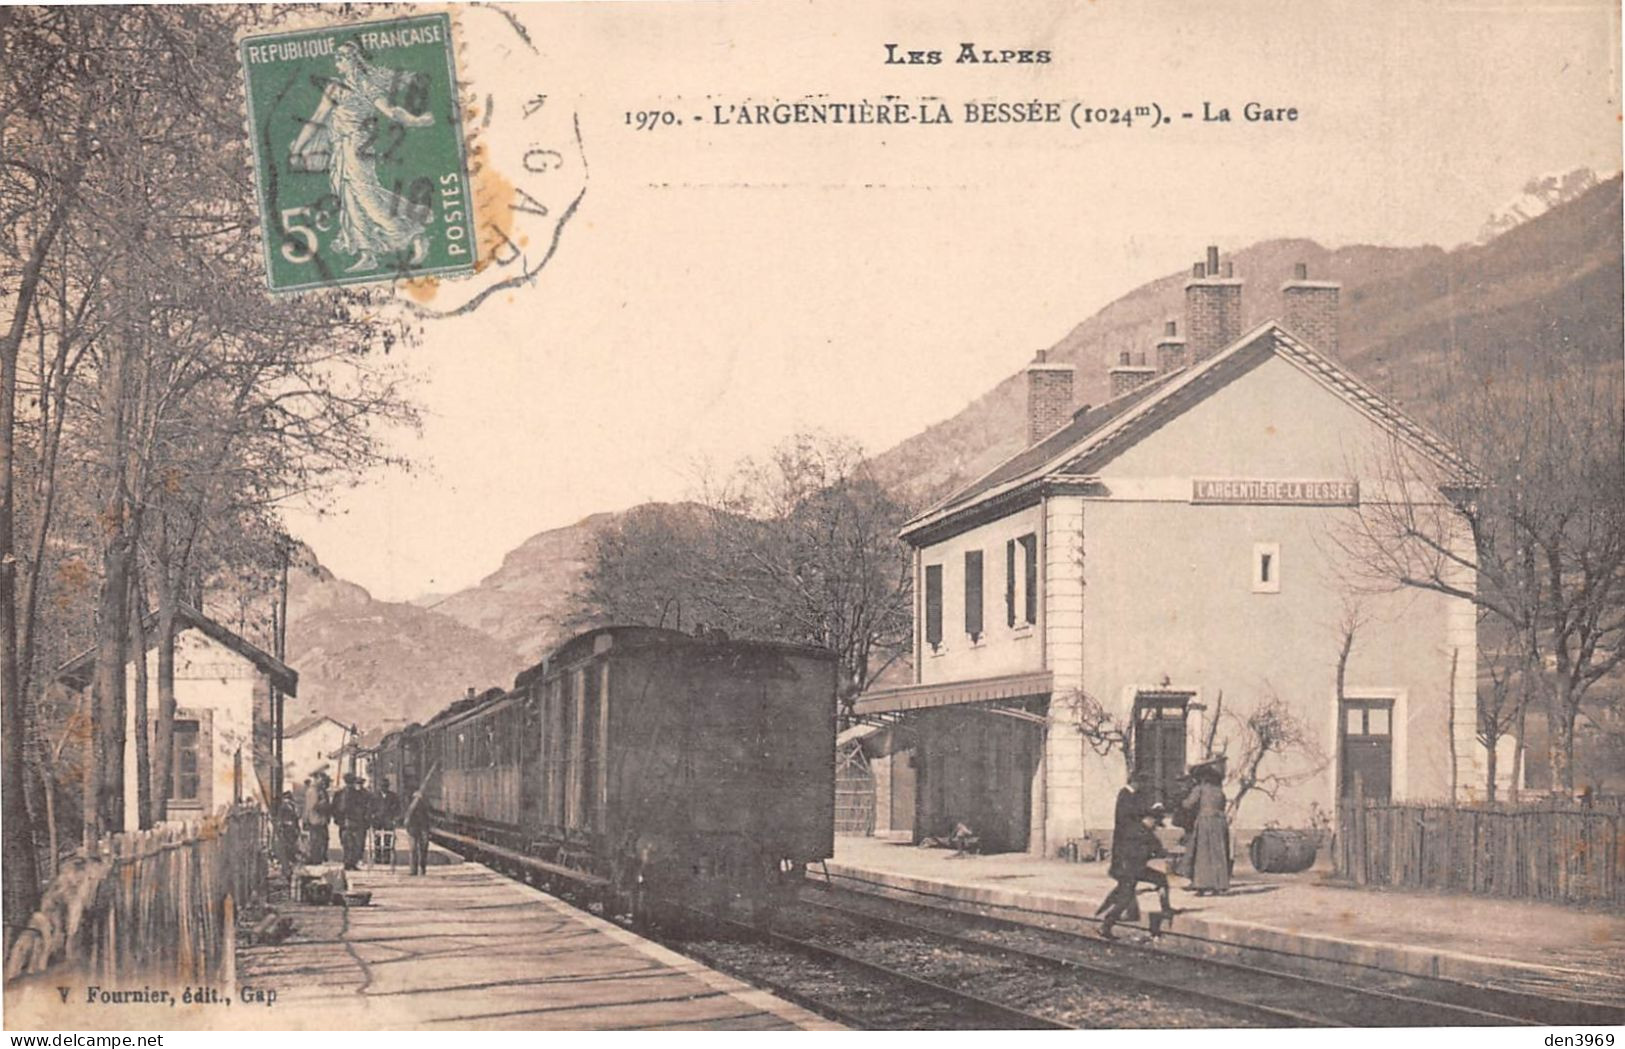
(359, 156)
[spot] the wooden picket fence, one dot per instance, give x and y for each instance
(1546, 852)
(149, 905)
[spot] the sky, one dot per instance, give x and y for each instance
(720, 287)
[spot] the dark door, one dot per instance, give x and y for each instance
(902, 790)
(1368, 749)
(1159, 745)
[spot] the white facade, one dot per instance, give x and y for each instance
(1194, 555)
(314, 746)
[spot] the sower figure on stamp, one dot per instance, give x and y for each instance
(1130, 866)
(374, 222)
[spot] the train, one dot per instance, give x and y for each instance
(640, 766)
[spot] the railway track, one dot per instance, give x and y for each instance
(1382, 998)
(878, 963)
(854, 991)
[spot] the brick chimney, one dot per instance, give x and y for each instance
(1049, 397)
(1170, 349)
(1212, 308)
(1129, 374)
(1309, 309)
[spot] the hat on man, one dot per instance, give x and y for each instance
(350, 777)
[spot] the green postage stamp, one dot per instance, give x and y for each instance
(358, 153)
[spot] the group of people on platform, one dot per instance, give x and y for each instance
(302, 821)
(1205, 859)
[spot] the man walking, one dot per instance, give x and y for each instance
(1130, 866)
(417, 825)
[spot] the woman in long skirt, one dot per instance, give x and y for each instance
(1210, 847)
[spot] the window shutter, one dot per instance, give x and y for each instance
(1010, 583)
(1029, 543)
(973, 593)
(933, 605)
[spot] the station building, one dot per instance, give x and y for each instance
(1174, 556)
(228, 705)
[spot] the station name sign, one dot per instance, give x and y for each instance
(1274, 492)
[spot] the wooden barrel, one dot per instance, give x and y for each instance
(1282, 851)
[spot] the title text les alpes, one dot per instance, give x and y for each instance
(969, 54)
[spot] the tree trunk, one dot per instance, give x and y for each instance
(1558, 749)
(1490, 767)
(19, 895)
(138, 653)
(112, 633)
(163, 737)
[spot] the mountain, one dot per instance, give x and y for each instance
(380, 664)
(1540, 195)
(523, 604)
(1549, 285)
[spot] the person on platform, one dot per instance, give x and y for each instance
(288, 819)
(1209, 848)
(387, 807)
(1131, 805)
(418, 819)
(353, 809)
(1131, 864)
(317, 809)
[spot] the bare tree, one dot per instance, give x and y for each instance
(1535, 537)
(1104, 731)
(800, 546)
(1267, 740)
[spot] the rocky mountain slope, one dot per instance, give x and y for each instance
(380, 664)
(524, 603)
(1548, 285)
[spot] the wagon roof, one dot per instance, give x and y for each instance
(634, 636)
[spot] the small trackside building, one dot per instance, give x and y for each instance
(1174, 555)
(228, 706)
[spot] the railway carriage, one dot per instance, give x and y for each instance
(643, 764)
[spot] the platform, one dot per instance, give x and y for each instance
(1526, 945)
(465, 947)
(459, 948)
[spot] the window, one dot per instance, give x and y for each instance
(1267, 568)
(933, 606)
(188, 782)
(1021, 581)
(973, 594)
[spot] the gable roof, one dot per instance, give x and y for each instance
(305, 724)
(79, 670)
(1100, 433)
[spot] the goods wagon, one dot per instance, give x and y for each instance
(643, 764)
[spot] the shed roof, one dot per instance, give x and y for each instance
(78, 671)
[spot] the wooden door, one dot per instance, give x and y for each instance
(1159, 746)
(1367, 749)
